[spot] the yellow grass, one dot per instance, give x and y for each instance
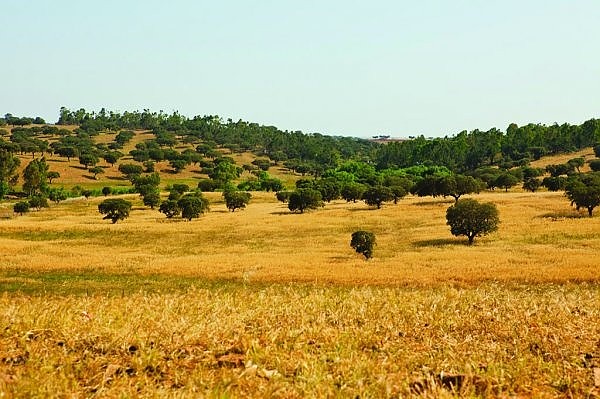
(541, 239)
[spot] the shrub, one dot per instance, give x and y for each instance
(21, 207)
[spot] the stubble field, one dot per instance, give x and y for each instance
(267, 303)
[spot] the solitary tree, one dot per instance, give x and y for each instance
(363, 242)
(584, 191)
(303, 199)
(151, 198)
(106, 190)
(115, 209)
(506, 181)
(236, 199)
(472, 219)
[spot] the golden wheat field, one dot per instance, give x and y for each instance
(266, 303)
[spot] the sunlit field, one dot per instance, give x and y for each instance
(262, 302)
(541, 239)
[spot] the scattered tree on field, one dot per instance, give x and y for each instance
(283, 196)
(472, 219)
(236, 199)
(130, 170)
(106, 191)
(303, 199)
(96, 170)
(532, 184)
(584, 191)
(57, 194)
(115, 209)
(21, 207)
(377, 195)
(169, 208)
(192, 205)
(506, 180)
(353, 191)
(38, 201)
(35, 177)
(363, 243)
(151, 198)
(51, 175)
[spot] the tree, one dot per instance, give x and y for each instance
(363, 243)
(554, 183)
(169, 208)
(151, 198)
(597, 151)
(51, 175)
(283, 196)
(106, 191)
(236, 199)
(532, 184)
(506, 180)
(96, 170)
(67, 151)
(8, 167)
(398, 192)
(352, 191)
(377, 195)
(576, 163)
(112, 157)
(35, 177)
(303, 199)
(130, 170)
(192, 205)
(88, 159)
(38, 201)
(57, 194)
(472, 219)
(21, 207)
(595, 165)
(115, 209)
(584, 191)
(178, 164)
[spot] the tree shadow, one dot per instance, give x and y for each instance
(286, 213)
(57, 160)
(120, 178)
(90, 177)
(564, 215)
(440, 242)
(434, 202)
(78, 167)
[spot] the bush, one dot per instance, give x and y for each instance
(363, 243)
(192, 205)
(169, 208)
(472, 219)
(106, 191)
(595, 165)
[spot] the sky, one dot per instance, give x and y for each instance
(337, 67)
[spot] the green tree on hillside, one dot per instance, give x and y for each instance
(377, 195)
(35, 177)
(236, 199)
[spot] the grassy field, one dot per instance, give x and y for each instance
(263, 302)
(266, 303)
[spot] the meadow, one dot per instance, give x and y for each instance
(263, 302)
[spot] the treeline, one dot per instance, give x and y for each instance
(471, 150)
(312, 152)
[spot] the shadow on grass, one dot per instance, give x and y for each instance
(440, 242)
(435, 202)
(564, 215)
(78, 167)
(120, 178)
(78, 282)
(57, 160)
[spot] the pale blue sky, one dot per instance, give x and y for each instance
(353, 68)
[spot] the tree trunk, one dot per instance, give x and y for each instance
(590, 210)
(471, 238)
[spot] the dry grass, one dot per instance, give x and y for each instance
(540, 240)
(265, 303)
(305, 341)
(587, 154)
